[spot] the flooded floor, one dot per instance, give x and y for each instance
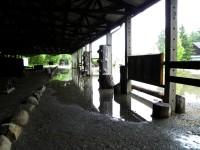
(74, 114)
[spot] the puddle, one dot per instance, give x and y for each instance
(120, 108)
(63, 75)
(141, 109)
(189, 141)
(128, 108)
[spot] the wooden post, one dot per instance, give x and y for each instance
(77, 55)
(128, 49)
(170, 50)
(90, 63)
(109, 45)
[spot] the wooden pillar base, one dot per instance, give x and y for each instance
(161, 110)
(106, 82)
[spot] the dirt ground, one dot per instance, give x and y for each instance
(67, 119)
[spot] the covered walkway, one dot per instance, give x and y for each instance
(68, 118)
(74, 113)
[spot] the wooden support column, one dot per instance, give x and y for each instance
(109, 45)
(105, 64)
(170, 50)
(128, 49)
(90, 63)
(77, 58)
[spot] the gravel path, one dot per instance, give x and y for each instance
(67, 120)
(24, 86)
(55, 126)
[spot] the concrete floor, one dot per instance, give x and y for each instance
(75, 115)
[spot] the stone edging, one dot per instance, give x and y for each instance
(11, 131)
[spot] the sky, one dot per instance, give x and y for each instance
(147, 25)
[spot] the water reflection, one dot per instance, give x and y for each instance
(63, 75)
(189, 141)
(106, 104)
(191, 93)
(123, 107)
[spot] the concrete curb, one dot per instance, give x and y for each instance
(11, 131)
(5, 143)
(32, 100)
(21, 118)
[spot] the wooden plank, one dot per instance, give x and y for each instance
(146, 68)
(185, 64)
(148, 91)
(187, 81)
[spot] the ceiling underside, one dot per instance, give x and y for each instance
(60, 26)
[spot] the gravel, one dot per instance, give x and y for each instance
(66, 120)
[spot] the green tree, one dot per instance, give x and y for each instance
(180, 50)
(186, 44)
(195, 36)
(53, 58)
(66, 58)
(44, 59)
(37, 59)
(161, 45)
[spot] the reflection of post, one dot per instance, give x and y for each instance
(88, 90)
(125, 107)
(86, 62)
(106, 97)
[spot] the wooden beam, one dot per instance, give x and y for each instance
(185, 64)
(97, 11)
(148, 91)
(186, 81)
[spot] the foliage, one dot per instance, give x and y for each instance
(195, 36)
(95, 62)
(180, 49)
(38, 59)
(65, 75)
(52, 58)
(184, 43)
(66, 58)
(44, 59)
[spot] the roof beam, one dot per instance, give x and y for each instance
(98, 11)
